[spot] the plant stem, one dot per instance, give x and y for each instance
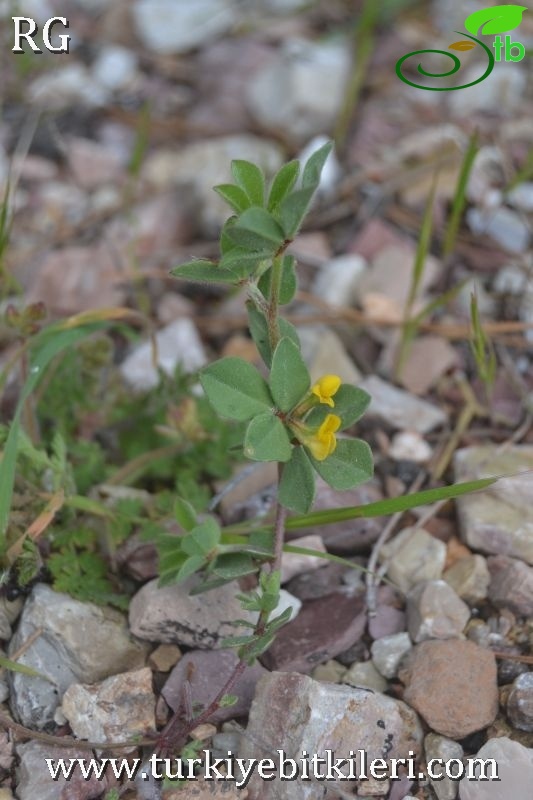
(273, 304)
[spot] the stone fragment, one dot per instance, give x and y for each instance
(503, 226)
(498, 520)
(33, 780)
(452, 684)
(171, 615)
(439, 747)
(410, 446)
(164, 657)
(413, 557)
(79, 643)
(323, 629)
(511, 585)
(337, 281)
(301, 90)
(330, 672)
(206, 790)
(502, 96)
(294, 564)
(520, 702)
(206, 673)
(521, 197)
(388, 652)
(399, 409)
(9, 612)
(390, 617)
(326, 354)
(115, 68)
(434, 611)
(295, 713)
(176, 26)
(177, 344)
(429, 357)
(470, 578)
(70, 85)
(91, 163)
(364, 675)
(115, 710)
(512, 763)
(390, 273)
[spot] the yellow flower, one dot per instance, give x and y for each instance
(323, 442)
(326, 387)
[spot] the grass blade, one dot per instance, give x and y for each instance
(459, 200)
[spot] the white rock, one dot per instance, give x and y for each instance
(521, 197)
(61, 88)
(488, 171)
(388, 652)
(470, 578)
(176, 26)
(177, 344)
(337, 281)
(503, 226)
(434, 611)
(437, 746)
(400, 409)
(325, 354)
(410, 446)
(302, 89)
(413, 556)
(364, 675)
(287, 600)
(510, 280)
(294, 564)
(513, 765)
(115, 67)
(331, 171)
(501, 93)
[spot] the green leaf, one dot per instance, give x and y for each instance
(259, 330)
(228, 700)
(257, 229)
(349, 465)
(289, 376)
(242, 262)
(235, 389)
(313, 168)
(234, 196)
(288, 283)
(203, 539)
(191, 565)
(282, 184)
(297, 485)
(497, 19)
(203, 271)
(293, 210)
(350, 404)
(185, 514)
(251, 179)
(234, 565)
(266, 439)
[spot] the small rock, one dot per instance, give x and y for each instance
(429, 357)
(337, 281)
(118, 708)
(171, 615)
(330, 672)
(511, 585)
(399, 409)
(520, 702)
(331, 171)
(323, 629)
(521, 197)
(364, 675)
(79, 643)
(228, 741)
(33, 779)
(302, 89)
(452, 684)
(390, 275)
(206, 673)
(202, 789)
(470, 578)
(410, 446)
(388, 652)
(413, 556)
(325, 353)
(294, 564)
(502, 94)
(498, 520)
(434, 611)
(440, 747)
(295, 713)
(287, 600)
(164, 657)
(389, 618)
(72, 84)
(115, 68)
(504, 226)
(177, 344)
(9, 612)
(176, 26)
(514, 768)
(203, 732)
(91, 164)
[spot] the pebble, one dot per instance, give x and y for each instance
(228, 741)
(176, 26)
(511, 585)
(388, 652)
(434, 611)
(520, 702)
(498, 520)
(171, 615)
(33, 779)
(295, 713)
(114, 710)
(331, 171)
(91, 163)
(293, 564)
(70, 85)
(206, 671)
(177, 344)
(79, 643)
(389, 617)
(502, 94)
(115, 68)
(389, 275)
(164, 657)
(326, 354)
(514, 768)
(413, 557)
(337, 281)
(521, 197)
(331, 672)
(287, 600)
(9, 613)
(364, 675)
(302, 89)
(470, 578)
(410, 446)
(399, 409)
(323, 629)
(452, 684)
(436, 746)
(502, 225)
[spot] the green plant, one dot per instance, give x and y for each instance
(482, 350)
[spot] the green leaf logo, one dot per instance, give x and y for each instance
(498, 19)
